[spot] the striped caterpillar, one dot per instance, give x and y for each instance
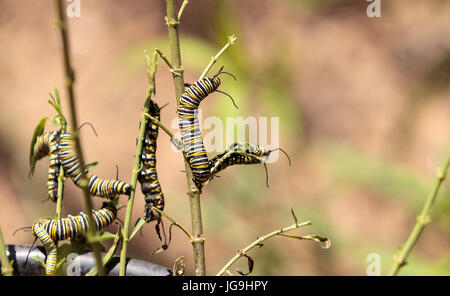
(49, 231)
(148, 177)
(191, 135)
(97, 186)
(48, 144)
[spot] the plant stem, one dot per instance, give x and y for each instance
(151, 70)
(258, 242)
(108, 255)
(60, 186)
(183, 6)
(191, 237)
(422, 220)
(166, 130)
(231, 40)
(60, 192)
(7, 269)
(69, 81)
(198, 242)
(163, 57)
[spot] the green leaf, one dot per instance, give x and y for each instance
(323, 241)
(39, 130)
(109, 254)
(106, 235)
(39, 260)
(58, 98)
(56, 107)
(91, 165)
(139, 224)
(60, 262)
(56, 104)
(52, 99)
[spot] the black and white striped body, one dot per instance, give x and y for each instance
(238, 153)
(48, 144)
(107, 188)
(191, 135)
(50, 231)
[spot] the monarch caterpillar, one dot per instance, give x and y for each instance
(97, 186)
(241, 153)
(47, 144)
(191, 135)
(49, 231)
(148, 177)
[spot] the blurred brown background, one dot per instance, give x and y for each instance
(364, 107)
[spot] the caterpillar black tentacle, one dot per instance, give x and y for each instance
(49, 231)
(48, 144)
(97, 186)
(148, 177)
(92, 127)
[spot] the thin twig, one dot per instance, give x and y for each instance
(69, 82)
(108, 256)
(164, 58)
(7, 269)
(151, 70)
(231, 40)
(169, 65)
(422, 220)
(60, 185)
(191, 237)
(183, 6)
(258, 242)
(193, 192)
(165, 129)
(60, 192)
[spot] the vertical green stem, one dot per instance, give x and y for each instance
(422, 220)
(151, 69)
(60, 186)
(69, 81)
(7, 269)
(60, 192)
(198, 242)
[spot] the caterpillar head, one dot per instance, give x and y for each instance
(110, 205)
(154, 109)
(38, 225)
(216, 79)
(35, 228)
(216, 82)
(261, 151)
(255, 150)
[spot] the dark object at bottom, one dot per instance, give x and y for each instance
(18, 253)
